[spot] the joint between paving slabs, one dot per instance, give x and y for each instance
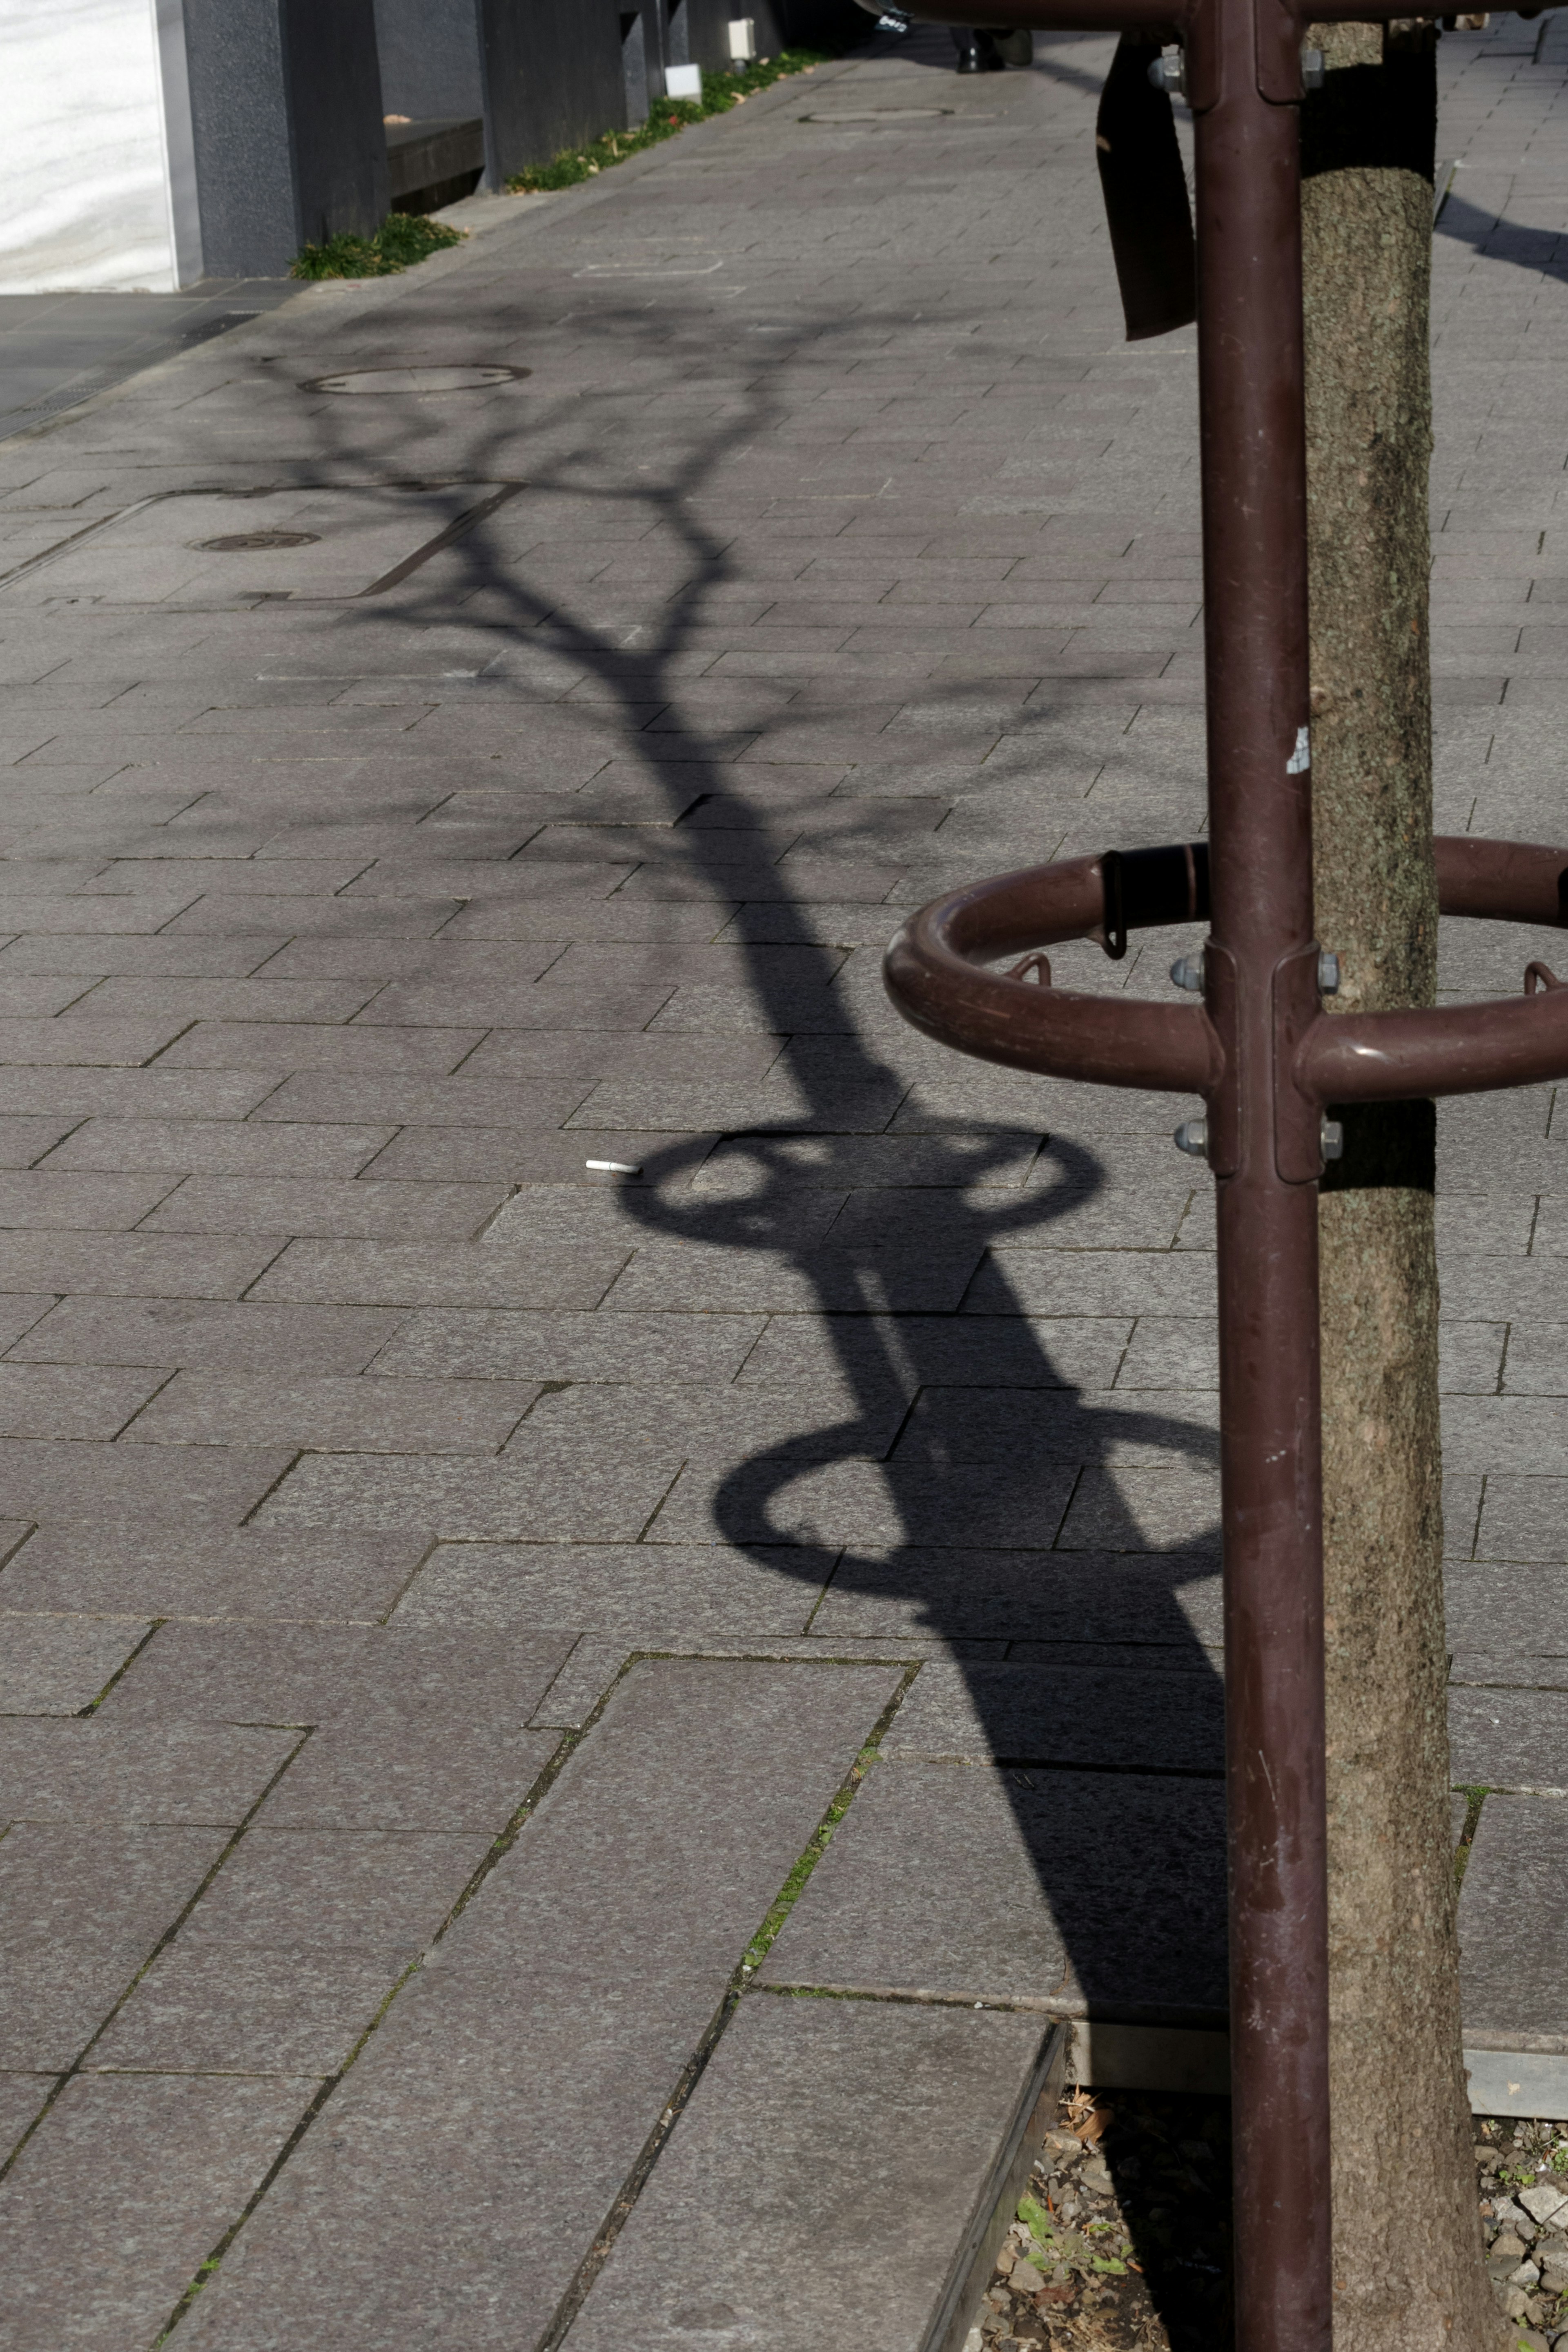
(636, 2181)
(208, 2268)
(1476, 1798)
(124, 1668)
(164, 1940)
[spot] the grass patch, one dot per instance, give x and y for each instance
(401, 240)
(721, 91)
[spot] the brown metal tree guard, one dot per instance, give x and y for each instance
(1260, 1049)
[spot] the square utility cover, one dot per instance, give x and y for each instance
(204, 549)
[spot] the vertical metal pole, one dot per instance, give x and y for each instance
(1261, 972)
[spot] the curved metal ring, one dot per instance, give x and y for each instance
(935, 973)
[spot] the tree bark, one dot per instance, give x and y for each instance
(1408, 2255)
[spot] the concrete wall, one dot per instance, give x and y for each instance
(430, 54)
(554, 73)
(98, 185)
(285, 107)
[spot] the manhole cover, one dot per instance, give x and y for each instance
(417, 379)
(240, 542)
(881, 114)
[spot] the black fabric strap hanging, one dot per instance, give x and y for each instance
(1144, 188)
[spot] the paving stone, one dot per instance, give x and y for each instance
(513, 2147)
(868, 1354)
(155, 1776)
(1497, 1608)
(124, 2192)
(479, 1344)
(530, 1497)
(336, 1673)
(82, 1910)
(21, 2098)
(1511, 1926)
(250, 1573)
(1524, 1519)
(1174, 1508)
(78, 1483)
(995, 1425)
(650, 1592)
(809, 2115)
(234, 2012)
(132, 1265)
(58, 1666)
(79, 1401)
(965, 1593)
(242, 1336)
(222, 1147)
(18, 1316)
(440, 1274)
(866, 1504)
(1509, 1738)
(707, 1423)
(1019, 1885)
(1061, 1712)
(377, 1416)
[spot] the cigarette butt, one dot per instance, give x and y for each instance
(613, 1167)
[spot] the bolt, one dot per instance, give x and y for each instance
(1312, 69)
(1328, 974)
(1168, 72)
(1192, 1136)
(1331, 1139)
(1188, 972)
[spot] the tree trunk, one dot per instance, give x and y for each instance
(1408, 2258)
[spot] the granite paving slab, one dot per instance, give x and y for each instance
(812, 2117)
(1065, 1714)
(1017, 1886)
(154, 1775)
(1505, 1739)
(497, 2155)
(122, 2191)
(59, 1665)
(82, 1910)
(1511, 1927)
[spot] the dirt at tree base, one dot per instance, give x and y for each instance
(1123, 2240)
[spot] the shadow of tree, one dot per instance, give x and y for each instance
(963, 1486)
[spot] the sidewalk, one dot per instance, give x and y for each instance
(57, 349)
(451, 1592)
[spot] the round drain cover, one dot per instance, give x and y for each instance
(244, 542)
(881, 114)
(417, 379)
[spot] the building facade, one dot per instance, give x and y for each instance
(156, 142)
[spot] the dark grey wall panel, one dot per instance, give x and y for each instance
(285, 116)
(335, 115)
(553, 73)
(430, 58)
(239, 122)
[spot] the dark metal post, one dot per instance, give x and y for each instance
(1261, 980)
